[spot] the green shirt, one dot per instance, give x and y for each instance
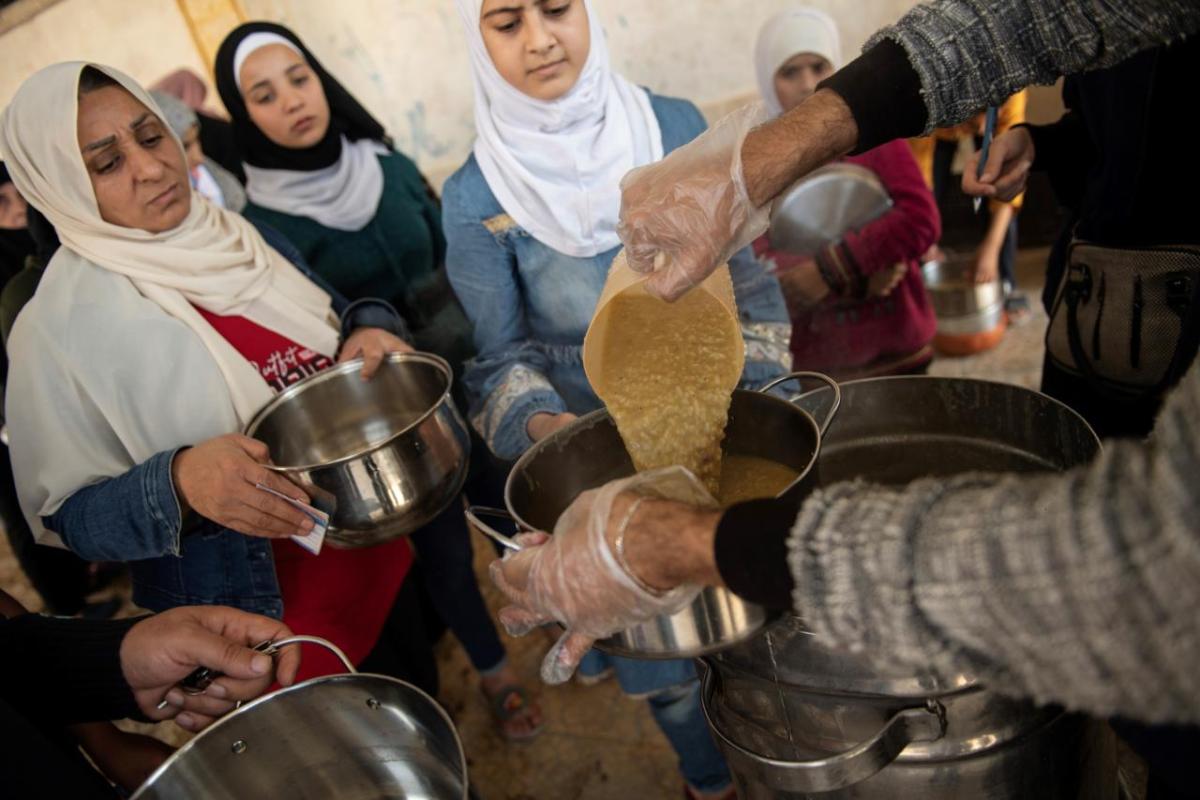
(397, 257)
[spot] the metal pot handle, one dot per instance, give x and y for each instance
(835, 772)
(328, 645)
(473, 516)
(823, 378)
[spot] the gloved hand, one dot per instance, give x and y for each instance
(684, 216)
(574, 576)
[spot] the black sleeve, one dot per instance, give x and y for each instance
(65, 670)
(883, 92)
(751, 551)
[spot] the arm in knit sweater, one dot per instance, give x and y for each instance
(1081, 589)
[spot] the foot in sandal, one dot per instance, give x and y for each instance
(518, 717)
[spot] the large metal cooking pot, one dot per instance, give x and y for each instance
(354, 737)
(798, 720)
(387, 455)
(589, 453)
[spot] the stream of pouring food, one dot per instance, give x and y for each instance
(670, 370)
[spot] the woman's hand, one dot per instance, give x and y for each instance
(165, 648)
(217, 478)
(372, 345)
(803, 287)
(881, 283)
(1007, 169)
(542, 425)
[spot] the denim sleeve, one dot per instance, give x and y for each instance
(506, 382)
(126, 518)
(367, 312)
(766, 326)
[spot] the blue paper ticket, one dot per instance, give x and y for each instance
(313, 540)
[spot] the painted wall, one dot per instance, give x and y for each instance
(406, 59)
(146, 38)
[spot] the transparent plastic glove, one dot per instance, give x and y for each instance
(574, 578)
(684, 216)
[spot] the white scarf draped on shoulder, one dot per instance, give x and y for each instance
(110, 361)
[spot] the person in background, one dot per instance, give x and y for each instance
(217, 138)
(321, 170)
(996, 255)
(530, 224)
(209, 179)
(173, 321)
(1123, 278)
(859, 307)
(57, 672)
(61, 578)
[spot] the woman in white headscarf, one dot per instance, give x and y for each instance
(858, 306)
(162, 324)
(530, 223)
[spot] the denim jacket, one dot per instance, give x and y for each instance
(174, 561)
(531, 305)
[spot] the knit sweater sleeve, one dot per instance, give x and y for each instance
(1079, 589)
(970, 54)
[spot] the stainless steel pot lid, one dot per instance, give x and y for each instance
(824, 206)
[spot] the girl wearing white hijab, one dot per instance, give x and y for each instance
(859, 307)
(322, 172)
(530, 224)
(161, 325)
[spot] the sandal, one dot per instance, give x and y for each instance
(507, 704)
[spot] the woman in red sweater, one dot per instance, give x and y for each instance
(859, 307)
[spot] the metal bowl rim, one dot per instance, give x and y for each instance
(340, 677)
(337, 371)
(600, 413)
(947, 379)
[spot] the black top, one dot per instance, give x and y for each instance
(346, 115)
(883, 92)
(65, 670)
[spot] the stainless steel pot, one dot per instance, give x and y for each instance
(386, 455)
(589, 453)
(354, 737)
(824, 206)
(963, 307)
(796, 719)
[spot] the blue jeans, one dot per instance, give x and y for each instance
(444, 548)
(673, 692)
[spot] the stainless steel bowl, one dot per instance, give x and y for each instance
(354, 737)
(824, 206)
(589, 453)
(387, 455)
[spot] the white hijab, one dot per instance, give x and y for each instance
(556, 167)
(800, 30)
(111, 361)
(344, 196)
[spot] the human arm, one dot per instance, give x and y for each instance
(143, 512)
(941, 63)
(506, 381)
(986, 266)
(1078, 589)
(75, 670)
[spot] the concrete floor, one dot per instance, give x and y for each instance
(597, 743)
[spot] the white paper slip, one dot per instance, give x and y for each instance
(313, 540)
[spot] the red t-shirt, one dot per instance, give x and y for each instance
(340, 595)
